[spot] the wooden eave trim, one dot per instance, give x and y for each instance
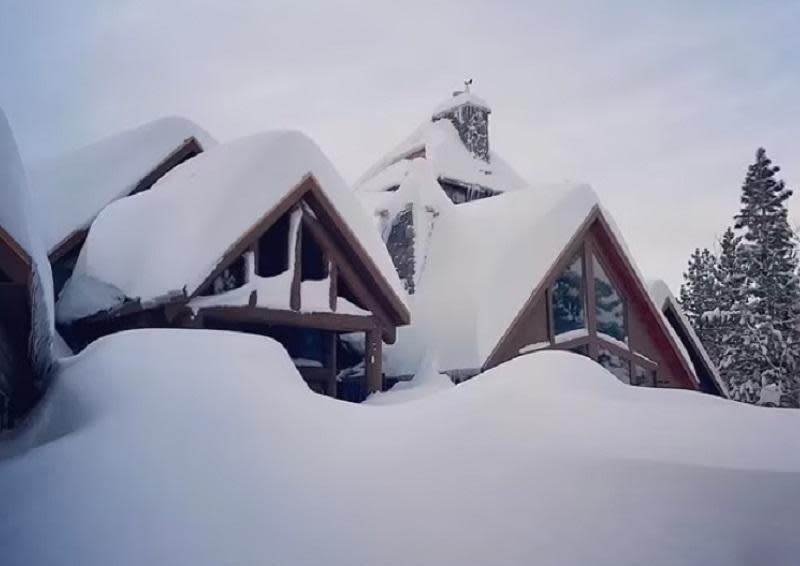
(65, 246)
(187, 149)
(254, 233)
(538, 292)
(345, 244)
(14, 260)
(711, 369)
(326, 211)
(650, 305)
(345, 270)
(320, 320)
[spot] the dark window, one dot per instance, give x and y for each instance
(273, 249)
(567, 299)
(313, 260)
(610, 308)
(617, 365)
(231, 277)
(3, 277)
(344, 291)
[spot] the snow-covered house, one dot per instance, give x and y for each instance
(257, 235)
(509, 269)
(70, 190)
(26, 326)
(705, 369)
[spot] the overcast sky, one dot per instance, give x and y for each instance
(660, 106)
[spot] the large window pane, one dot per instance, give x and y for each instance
(617, 365)
(569, 312)
(610, 309)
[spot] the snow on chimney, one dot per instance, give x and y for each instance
(470, 117)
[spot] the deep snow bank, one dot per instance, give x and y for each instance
(201, 447)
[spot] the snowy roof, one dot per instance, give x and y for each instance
(663, 297)
(70, 190)
(18, 221)
(478, 277)
(438, 143)
(460, 99)
(164, 241)
(14, 200)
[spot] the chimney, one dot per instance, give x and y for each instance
(470, 117)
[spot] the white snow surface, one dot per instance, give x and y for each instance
(426, 382)
(169, 239)
(486, 258)
(200, 447)
(70, 190)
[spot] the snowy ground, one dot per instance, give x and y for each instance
(195, 447)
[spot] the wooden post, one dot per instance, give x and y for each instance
(372, 361)
(330, 363)
(297, 276)
(333, 275)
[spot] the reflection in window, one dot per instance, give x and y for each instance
(643, 377)
(610, 309)
(615, 364)
(567, 299)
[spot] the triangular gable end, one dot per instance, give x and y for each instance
(597, 237)
(331, 233)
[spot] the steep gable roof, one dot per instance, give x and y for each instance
(175, 237)
(70, 190)
(694, 348)
(485, 259)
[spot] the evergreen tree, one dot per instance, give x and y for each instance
(698, 295)
(728, 289)
(762, 341)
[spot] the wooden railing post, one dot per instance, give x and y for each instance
(373, 361)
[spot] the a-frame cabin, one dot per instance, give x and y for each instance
(302, 270)
(592, 302)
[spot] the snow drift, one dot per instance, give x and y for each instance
(201, 447)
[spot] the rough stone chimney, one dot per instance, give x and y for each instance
(470, 117)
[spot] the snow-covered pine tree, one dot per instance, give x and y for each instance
(698, 295)
(763, 343)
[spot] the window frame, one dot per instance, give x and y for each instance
(587, 250)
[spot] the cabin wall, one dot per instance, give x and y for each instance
(532, 329)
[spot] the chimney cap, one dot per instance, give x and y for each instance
(460, 98)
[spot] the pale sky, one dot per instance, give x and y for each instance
(658, 105)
